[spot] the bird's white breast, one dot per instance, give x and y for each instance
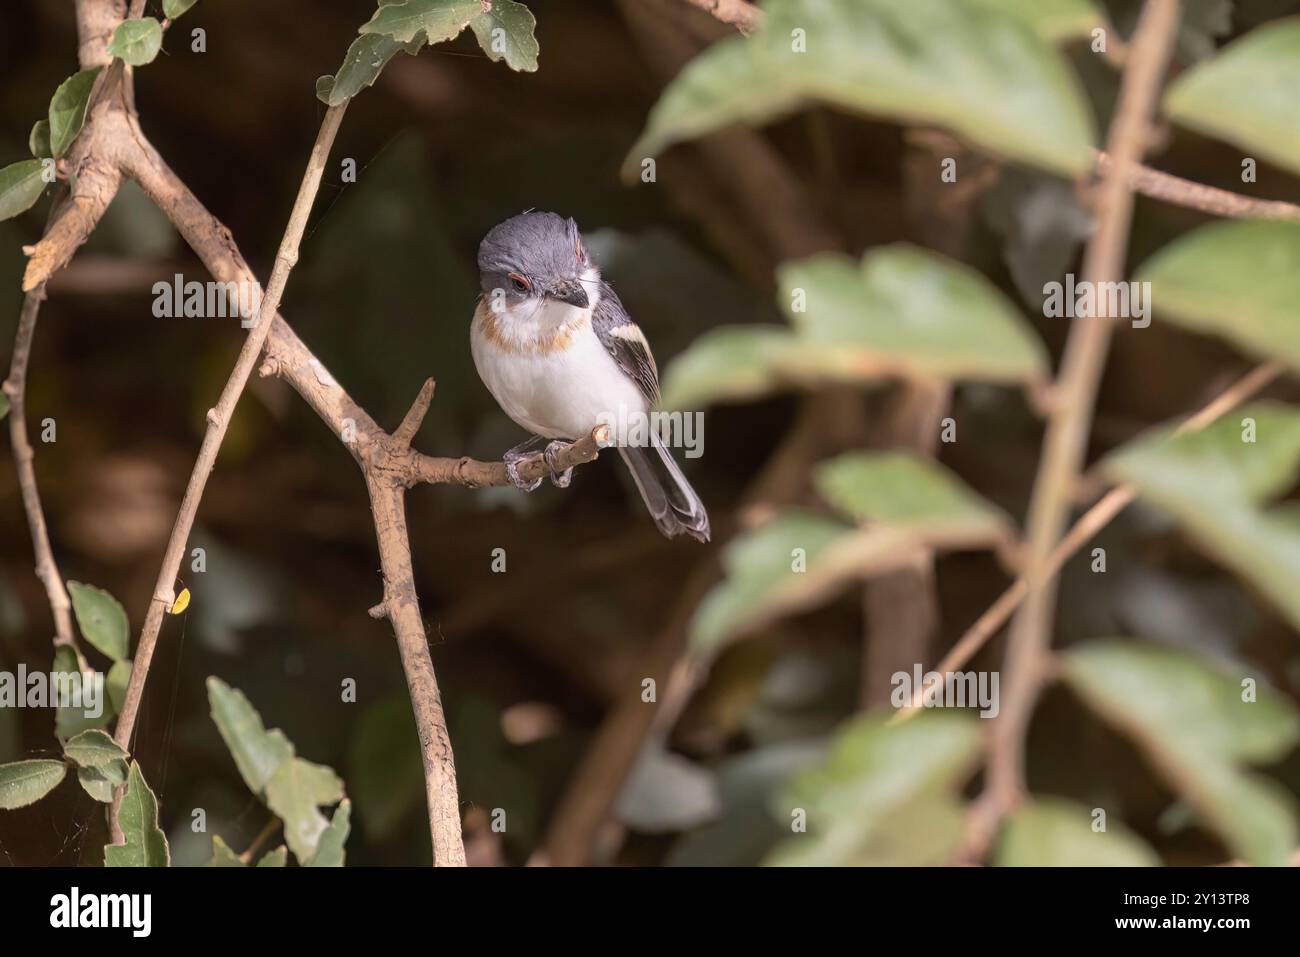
(548, 370)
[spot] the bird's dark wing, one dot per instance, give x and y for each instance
(624, 340)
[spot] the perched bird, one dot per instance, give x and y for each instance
(560, 354)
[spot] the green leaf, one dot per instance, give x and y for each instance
(72, 719)
(385, 771)
(977, 71)
(1247, 94)
(1237, 280)
(1049, 832)
(39, 140)
(364, 61)
(222, 855)
(1053, 20)
(137, 41)
(4, 405)
(1218, 487)
(906, 311)
(145, 844)
(101, 619)
(68, 109)
(26, 782)
(506, 32)
(794, 562)
(1198, 726)
(21, 185)
(93, 749)
(258, 753)
(888, 793)
(119, 676)
(903, 490)
(175, 8)
(276, 858)
(437, 19)
(294, 792)
(329, 849)
(99, 782)
(729, 363)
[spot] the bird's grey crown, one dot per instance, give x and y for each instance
(538, 245)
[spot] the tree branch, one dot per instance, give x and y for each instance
(1068, 426)
(1208, 199)
(15, 387)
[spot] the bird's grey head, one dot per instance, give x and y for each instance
(536, 256)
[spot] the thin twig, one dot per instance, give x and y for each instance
(218, 421)
(1068, 426)
(1208, 199)
(264, 835)
(15, 387)
(1082, 532)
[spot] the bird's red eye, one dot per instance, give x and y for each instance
(519, 282)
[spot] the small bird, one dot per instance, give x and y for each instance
(560, 354)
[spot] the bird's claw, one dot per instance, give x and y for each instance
(517, 480)
(558, 479)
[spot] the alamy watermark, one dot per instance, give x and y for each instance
(633, 427)
(179, 299)
(53, 689)
(949, 689)
(1084, 299)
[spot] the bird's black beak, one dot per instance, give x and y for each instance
(570, 291)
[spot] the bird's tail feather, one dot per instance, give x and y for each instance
(671, 501)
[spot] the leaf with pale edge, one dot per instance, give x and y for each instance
(1238, 280)
(978, 71)
(437, 19)
(26, 782)
(364, 61)
(887, 794)
(329, 849)
(276, 858)
(93, 749)
(1191, 720)
(145, 844)
(1049, 832)
(21, 185)
(38, 141)
(1219, 488)
(1247, 94)
(137, 42)
(68, 109)
(101, 618)
(222, 855)
(258, 753)
(506, 32)
(295, 792)
(175, 8)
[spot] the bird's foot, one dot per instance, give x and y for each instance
(512, 460)
(558, 479)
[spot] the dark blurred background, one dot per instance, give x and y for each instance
(446, 145)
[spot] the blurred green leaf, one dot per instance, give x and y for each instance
(506, 32)
(905, 310)
(68, 109)
(886, 794)
(727, 364)
(258, 753)
(975, 70)
(222, 855)
(26, 782)
(362, 64)
(39, 140)
(1051, 19)
(145, 844)
(21, 185)
(1247, 94)
(4, 405)
(1197, 725)
(665, 792)
(101, 618)
(329, 849)
(276, 858)
(1238, 280)
(137, 42)
(1217, 485)
(93, 749)
(294, 792)
(175, 8)
(1049, 832)
(904, 490)
(438, 19)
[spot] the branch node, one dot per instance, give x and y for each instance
(414, 417)
(379, 612)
